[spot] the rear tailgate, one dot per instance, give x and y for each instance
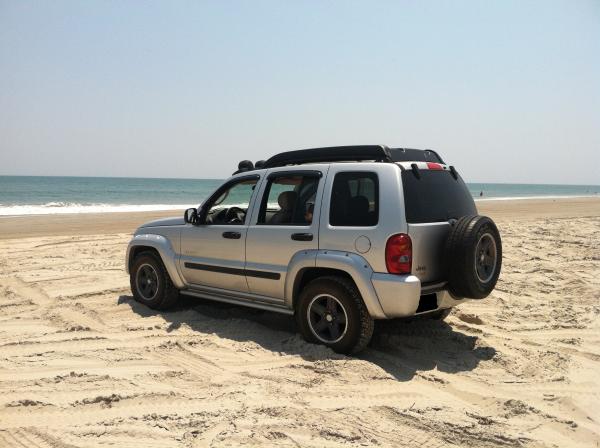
(434, 195)
(428, 249)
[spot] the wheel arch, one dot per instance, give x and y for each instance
(136, 250)
(306, 275)
(309, 265)
(159, 245)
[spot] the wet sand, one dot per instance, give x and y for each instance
(127, 222)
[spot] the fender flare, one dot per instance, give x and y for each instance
(354, 265)
(164, 248)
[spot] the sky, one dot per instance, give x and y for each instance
(505, 91)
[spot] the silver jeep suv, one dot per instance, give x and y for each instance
(337, 237)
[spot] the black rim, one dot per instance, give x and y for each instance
(485, 258)
(327, 318)
(147, 281)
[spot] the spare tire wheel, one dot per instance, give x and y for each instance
(473, 257)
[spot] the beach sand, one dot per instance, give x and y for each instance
(83, 365)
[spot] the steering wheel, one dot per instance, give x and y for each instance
(235, 215)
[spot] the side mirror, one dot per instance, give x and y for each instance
(190, 216)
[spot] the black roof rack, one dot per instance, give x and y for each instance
(332, 154)
(377, 153)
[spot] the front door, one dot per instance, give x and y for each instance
(285, 221)
(213, 253)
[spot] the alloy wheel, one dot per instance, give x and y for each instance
(327, 318)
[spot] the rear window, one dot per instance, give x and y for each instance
(435, 197)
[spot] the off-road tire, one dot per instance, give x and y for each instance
(166, 294)
(360, 324)
(460, 257)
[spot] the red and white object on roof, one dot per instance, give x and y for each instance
(424, 165)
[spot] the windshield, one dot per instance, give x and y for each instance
(435, 197)
(238, 193)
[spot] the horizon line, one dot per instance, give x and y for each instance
(224, 178)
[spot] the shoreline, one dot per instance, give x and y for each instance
(532, 198)
(77, 209)
(101, 208)
(25, 226)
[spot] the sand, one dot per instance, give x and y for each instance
(83, 365)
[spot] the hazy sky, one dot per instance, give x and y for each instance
(508, 91)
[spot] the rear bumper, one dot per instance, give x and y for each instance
(399, 295)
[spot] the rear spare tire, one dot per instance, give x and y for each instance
(473, 257)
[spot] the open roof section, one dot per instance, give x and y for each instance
(378, 153)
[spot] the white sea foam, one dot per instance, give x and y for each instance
(52, 208)
(519, 198)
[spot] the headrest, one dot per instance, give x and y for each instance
(287, 199)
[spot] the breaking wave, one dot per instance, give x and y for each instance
(51, 208)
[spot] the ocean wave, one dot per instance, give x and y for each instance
(51, 208)
(528, 198)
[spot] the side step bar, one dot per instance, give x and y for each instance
(251, 301)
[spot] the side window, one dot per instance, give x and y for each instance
(289, 200)
(354, 200)
(231, 205)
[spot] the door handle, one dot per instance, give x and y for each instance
(302, 236)
(232, 235)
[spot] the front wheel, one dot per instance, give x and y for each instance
(150, 282)
(331, 312)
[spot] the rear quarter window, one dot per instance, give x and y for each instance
(435, 196)
(354, 199)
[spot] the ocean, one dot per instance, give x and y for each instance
(34, 195)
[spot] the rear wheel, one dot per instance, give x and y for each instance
(473, 257)
(150, 282)
(331, 312)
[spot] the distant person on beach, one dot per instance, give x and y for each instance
(480, 193)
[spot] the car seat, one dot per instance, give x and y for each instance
(287, 201)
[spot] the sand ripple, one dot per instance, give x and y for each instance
(82, 364)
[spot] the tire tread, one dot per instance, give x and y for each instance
(366, 324)
(170, 292)
(458, 254)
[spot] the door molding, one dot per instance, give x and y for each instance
(233, 271)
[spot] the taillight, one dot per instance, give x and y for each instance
(398, 254)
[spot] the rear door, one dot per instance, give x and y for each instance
(285, 222)
(432, 199)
